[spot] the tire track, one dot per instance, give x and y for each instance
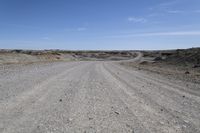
(167, 114)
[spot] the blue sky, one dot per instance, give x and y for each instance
(99, 24)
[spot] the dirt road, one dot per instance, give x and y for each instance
(89, 97)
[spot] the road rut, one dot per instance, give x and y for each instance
(90, 97)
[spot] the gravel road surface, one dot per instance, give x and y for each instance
(90, 97)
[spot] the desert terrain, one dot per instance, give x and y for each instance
(55, 91)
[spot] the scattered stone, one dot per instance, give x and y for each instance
(128, 125)
(158, 58)
(70, 119)
(144, 63)
(184, 126)
(90, 118)
(187, 72)
(162, 122)
(57, 58)
(196, 66)
(116, 112)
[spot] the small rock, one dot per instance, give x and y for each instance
(183, 96)
(161, 109)
(57, 58)
(187, 72)
(90, 118)
(60, 100)
(128, 125)
(196, 66)
(158, 58)
(162, 122)
(184, 126)
(186, 121)
(70, 119)
(116, 112)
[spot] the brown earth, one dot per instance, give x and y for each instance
(180, 64)
(142, 95)
(29, 56)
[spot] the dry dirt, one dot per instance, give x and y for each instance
(181, 65)
(35, 56)
(95, 96)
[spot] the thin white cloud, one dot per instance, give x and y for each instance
(181, 11)
(154, 14)
(167, 3)
(164, 5)
(81, 29)
(76, 29)
(196, 11)
(19, 25)
(46, 38)
(180, 33)
(175, 11)
(137, 20)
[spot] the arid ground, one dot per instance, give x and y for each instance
(100, 91)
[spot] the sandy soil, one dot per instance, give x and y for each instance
(169, 69)
(89, 97)
(20, 58)
(35, 56)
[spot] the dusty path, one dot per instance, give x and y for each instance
(89, 97)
